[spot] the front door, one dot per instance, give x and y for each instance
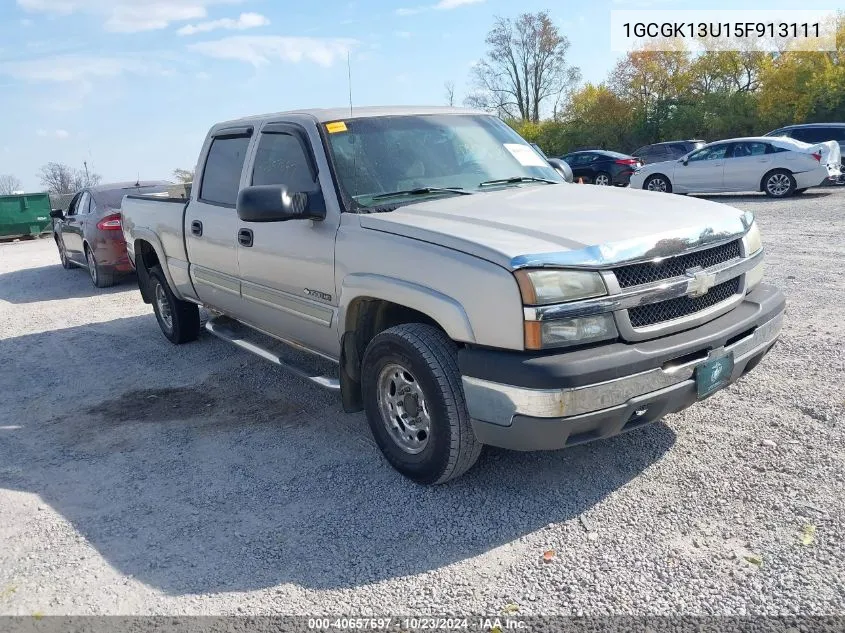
(704, 170)
(745, 164)
(211, 222)
(287, 268)
(73, 227)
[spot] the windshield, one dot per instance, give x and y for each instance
(428, 154)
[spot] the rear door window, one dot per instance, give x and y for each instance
(221, 177)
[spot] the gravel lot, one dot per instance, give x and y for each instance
(137, 477)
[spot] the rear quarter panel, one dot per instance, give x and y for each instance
(159, 221)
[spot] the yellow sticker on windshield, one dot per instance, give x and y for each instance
(337, 126)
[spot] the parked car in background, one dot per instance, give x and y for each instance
(601, 167)
(778, 166)
(88, 234)
(667, 150)
(815, 133)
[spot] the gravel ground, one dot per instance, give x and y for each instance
(137, 477)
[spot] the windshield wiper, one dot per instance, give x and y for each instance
(515, 180)
(421, 191)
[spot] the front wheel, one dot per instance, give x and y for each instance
(658, 183)
(415, 405)
(779, 184)
(179, 320)
(60, 243)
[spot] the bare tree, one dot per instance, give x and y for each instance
(525, 65)
(9, 184)
(449, 87)
(183, 175)
(59, 178)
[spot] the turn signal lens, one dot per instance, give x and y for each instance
(567, 332)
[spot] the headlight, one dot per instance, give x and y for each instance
(752, 240)
(542, 287)
(565, 332)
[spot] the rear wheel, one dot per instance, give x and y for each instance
(778, 184)
(99, 276)
(63, 253)
(658, 182)
(602, 179)
(179, 320)
(415, 404)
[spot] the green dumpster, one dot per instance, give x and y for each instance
(24, 214)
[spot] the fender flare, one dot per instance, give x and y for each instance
(446, 311)
(147, 235)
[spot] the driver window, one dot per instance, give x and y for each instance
(709, 153)
(280, 160)
(74, 205)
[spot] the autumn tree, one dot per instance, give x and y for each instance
(9, 184)
(525, 68)
(59, 178)
(183, 175)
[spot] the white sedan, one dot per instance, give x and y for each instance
(779, 166)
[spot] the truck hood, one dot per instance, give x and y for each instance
(564, 225)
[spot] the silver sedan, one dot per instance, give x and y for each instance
(778, 166)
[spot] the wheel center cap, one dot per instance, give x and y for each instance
(411, 405)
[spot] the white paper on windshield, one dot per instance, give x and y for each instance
(525, 155)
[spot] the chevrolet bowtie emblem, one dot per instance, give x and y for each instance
(700, 282)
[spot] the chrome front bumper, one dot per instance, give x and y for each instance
(498, 404)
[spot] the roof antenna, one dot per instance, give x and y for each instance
(349, 79)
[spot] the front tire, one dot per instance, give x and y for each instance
(779, 184)
(415, 406)
(179, 320)
(658, 182)
(60, 244)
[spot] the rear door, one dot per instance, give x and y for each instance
(211, 223)
(73, 226)
(745, 164)
(704, 170)
(287, 268)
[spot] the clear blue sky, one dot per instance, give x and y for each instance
(132, 86)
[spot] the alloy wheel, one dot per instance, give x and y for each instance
(403, 407)
(778, 184)
(163, 306)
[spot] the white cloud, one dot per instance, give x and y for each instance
(57, 134)
(244, 21)
(26, 22)
(443, 5)
(454, 4)
(64, 68)
(402, 34)
(128, 16)
(261, 49)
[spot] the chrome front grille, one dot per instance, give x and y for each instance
(656, 313)
(649, 272)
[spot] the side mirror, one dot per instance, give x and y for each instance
(683, 161)
(57, 214)
(562, 167)
(274, 203)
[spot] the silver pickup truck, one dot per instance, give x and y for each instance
(464, 292)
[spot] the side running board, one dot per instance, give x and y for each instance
(237, 334)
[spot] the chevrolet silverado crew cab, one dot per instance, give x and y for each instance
(464, 293)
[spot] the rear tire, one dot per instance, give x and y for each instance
(415, 405)
(779, 184)
(603, 179)
(658, 182)
(179, 320)
(100, 277)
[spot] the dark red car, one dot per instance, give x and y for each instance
(89, 234)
